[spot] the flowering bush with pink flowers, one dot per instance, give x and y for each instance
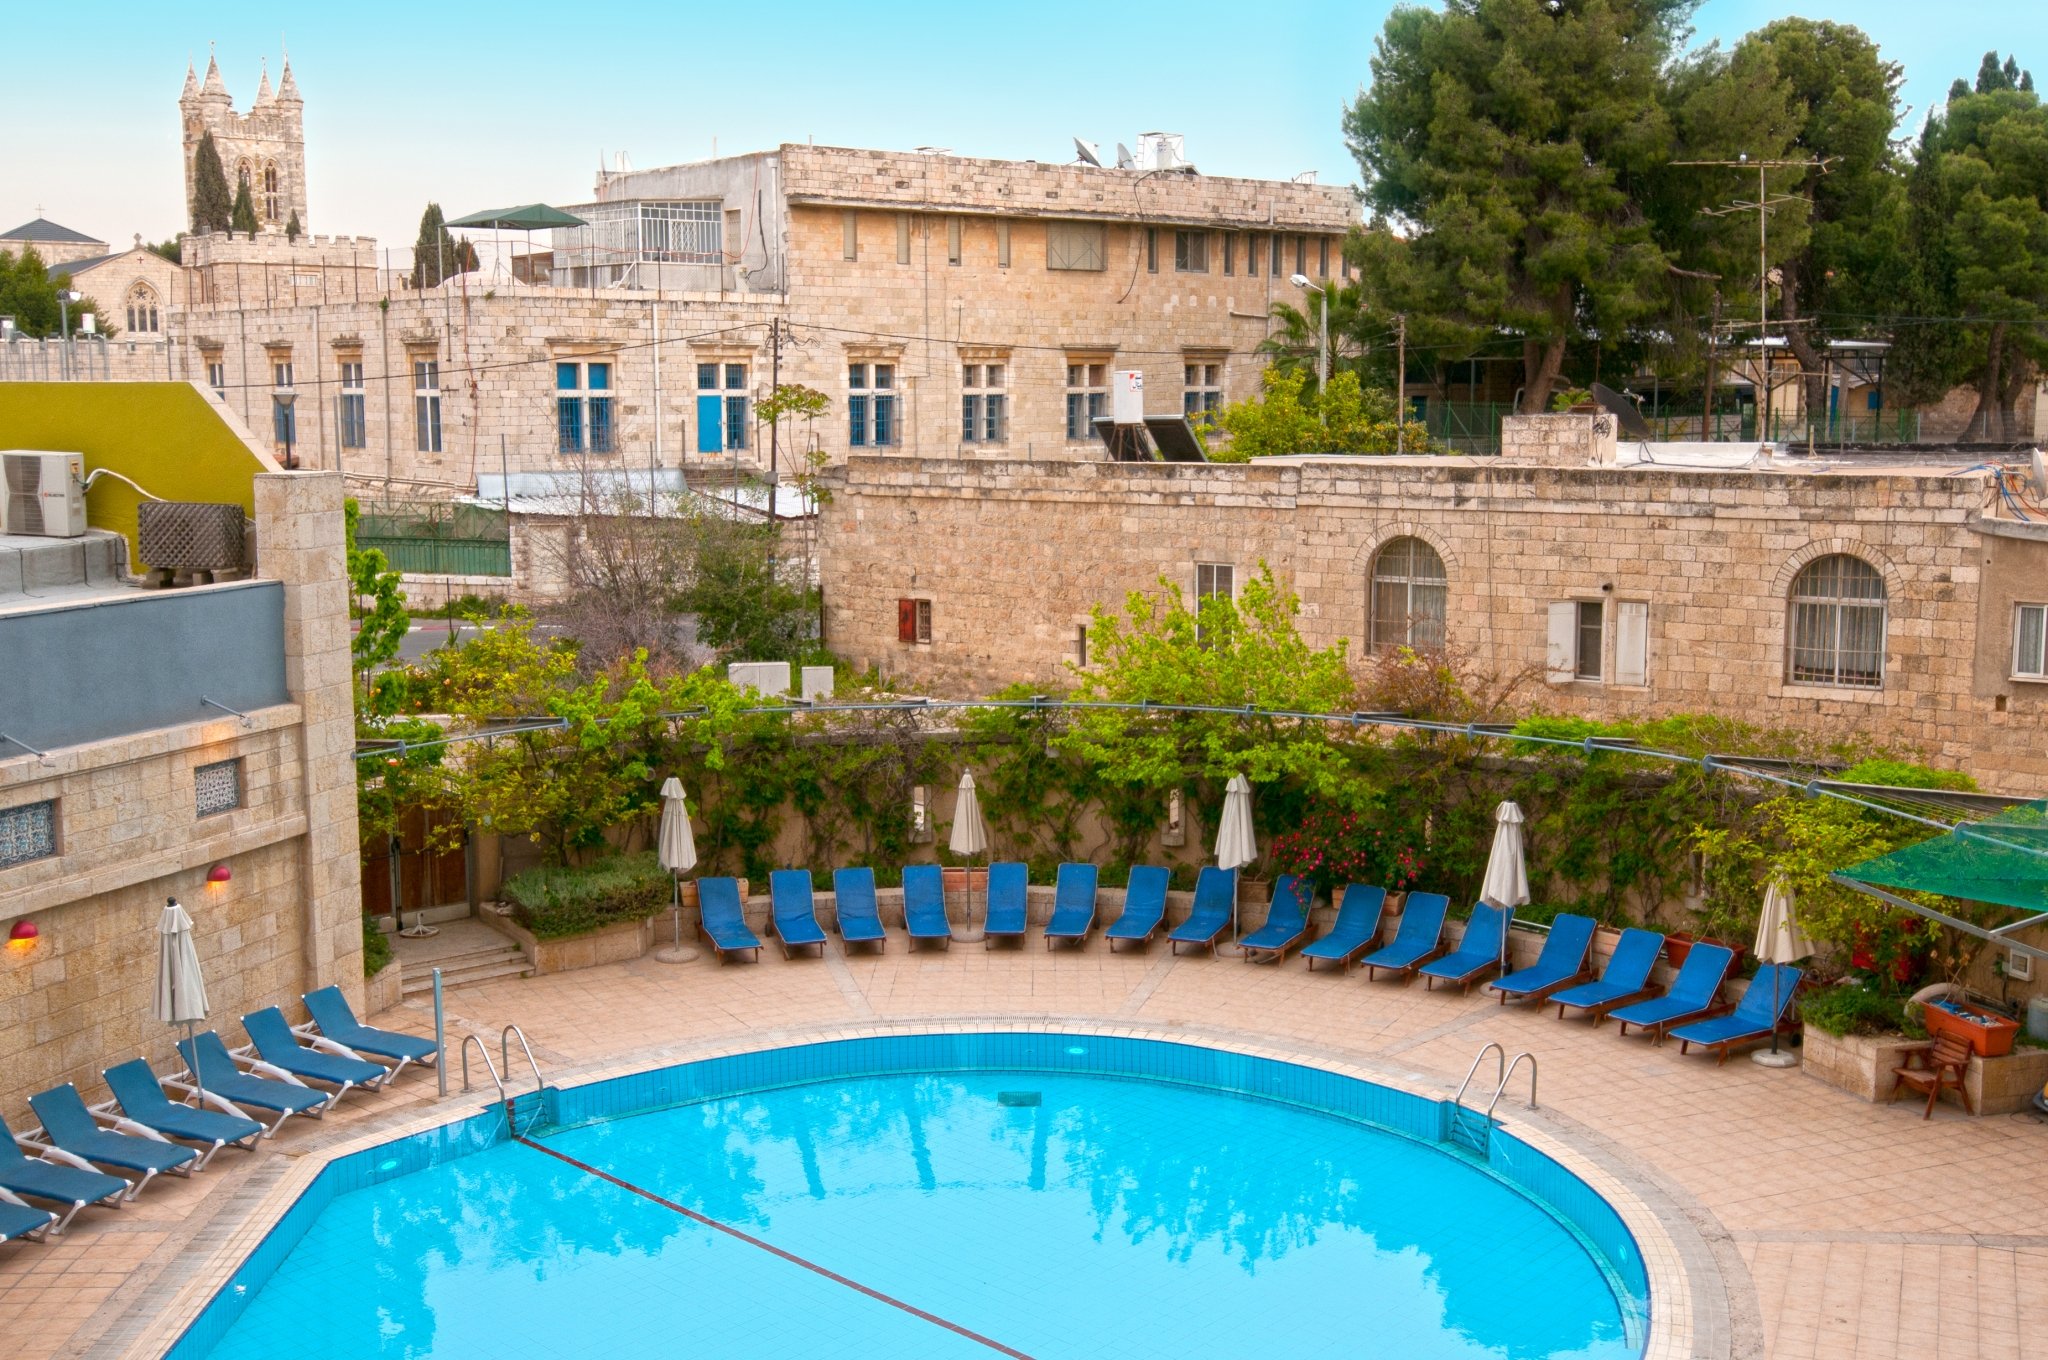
(1331, 848)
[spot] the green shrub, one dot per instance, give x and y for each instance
(376, 947)
(1850, 1009)
(553, 903)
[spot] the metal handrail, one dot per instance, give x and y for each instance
(505, 1053)
(1500, 1057)
(489, 1066)
(1504, 1082)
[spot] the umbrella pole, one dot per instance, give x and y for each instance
(1774, 1010)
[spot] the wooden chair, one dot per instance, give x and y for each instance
(1930, 1069)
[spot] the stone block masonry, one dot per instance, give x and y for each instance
(1012, 555)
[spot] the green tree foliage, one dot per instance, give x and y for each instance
(213, 205)
(28, 294)
(1342, 418)
(437, 255)
(377, 604)
(172, 250)
(1507, 134)
(745, 604)
(292, 229)
(1978, 226)
(242, 216)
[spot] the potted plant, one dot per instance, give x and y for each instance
(1679, 943)
(1989, 1034)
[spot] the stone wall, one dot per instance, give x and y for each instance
(1013, 555)
(79, 998)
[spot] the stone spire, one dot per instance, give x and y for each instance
(215, 87)
(287, 88)
(263, 93)
(191, 84)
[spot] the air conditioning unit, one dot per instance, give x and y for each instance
(45, 493)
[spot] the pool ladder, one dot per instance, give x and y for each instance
(1472, 1129)
(506, 1098)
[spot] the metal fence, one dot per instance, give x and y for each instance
(440, 540)
(1840, 427)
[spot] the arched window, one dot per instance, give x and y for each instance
(270, 193)
(1408, 596)
(142, 312)
(1836, 632)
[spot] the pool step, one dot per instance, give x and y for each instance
(1470, 1130)
(475, 965)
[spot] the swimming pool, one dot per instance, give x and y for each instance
(1021, 1194)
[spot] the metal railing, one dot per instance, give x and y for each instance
(505, 1097)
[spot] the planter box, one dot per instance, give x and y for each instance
(1860, 1064)
(381, 991)
(1679, 943)
(618, 943)
(964, 880)
(1991, 1039)
(2008, 1084)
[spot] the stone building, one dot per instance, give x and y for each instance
(191, 743)
(1893, 601)
(51, 241)
(264, 148)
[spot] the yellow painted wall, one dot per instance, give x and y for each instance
(172, 438)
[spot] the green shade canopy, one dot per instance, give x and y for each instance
(527, 217)
(2001, 860)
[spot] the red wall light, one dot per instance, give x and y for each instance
(219, 873)
(23, 936)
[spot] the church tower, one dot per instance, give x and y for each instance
(264, 148)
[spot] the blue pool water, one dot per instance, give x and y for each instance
(1016, 1211)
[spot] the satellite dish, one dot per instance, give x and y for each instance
(1089, 152)
(1623, 410)
(1124, 159)
(2040, 473)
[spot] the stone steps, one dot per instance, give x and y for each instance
(475, 965)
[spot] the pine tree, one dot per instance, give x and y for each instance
(212, 207)
(437, 255)
(243, 219)
(292, 227)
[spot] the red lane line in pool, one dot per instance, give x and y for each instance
(774, 1250)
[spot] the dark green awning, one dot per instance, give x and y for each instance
(527, 217)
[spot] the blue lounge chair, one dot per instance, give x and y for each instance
(63, 1185)
(77, 1138)
(1286, 920)
(795, 914)
(1761, 1010)
(860, 920)
(1485, 946)
(145, 1106)
(1416, 940)
(1691, 996)
(1215, 903)
(1144, 906)
(20, 1223)
(924, 904)
(1626, 977)
(1562, 962)
(1073, 904)
(1358, 925)
(721, 920)
(1009, 901)
(211, 1072)
(334, 1027)
(277, 1047)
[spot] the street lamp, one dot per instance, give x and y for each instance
(1322, 330)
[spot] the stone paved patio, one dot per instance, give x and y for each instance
(1820, 1226)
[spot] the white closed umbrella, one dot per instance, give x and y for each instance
(1507, 874)
(676, 850)
(970, 832)
(180, 988)
(1779, 940)
(1235, 844)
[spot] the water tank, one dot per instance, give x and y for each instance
(2037, 1018)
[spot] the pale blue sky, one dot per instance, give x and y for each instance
(492, 102)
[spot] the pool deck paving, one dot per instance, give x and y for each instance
(1812, 1225)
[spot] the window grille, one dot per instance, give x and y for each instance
(28, 832)
(426, 405)
(583, 408)
(1592, 627)
(1191, 252)
(1837, 632)
(871, 404)
(351, 410)
(1087, 396)
(1409, 596)
(1076, 245)
(682, 232)
(1201, 389)
(984, 415)
(217, 788)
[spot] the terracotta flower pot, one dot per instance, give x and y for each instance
(962, 880)
(1988, 1034)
